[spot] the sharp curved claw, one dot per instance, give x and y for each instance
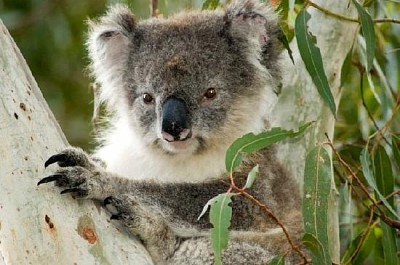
(115, 217)
(49, 179)
(56, 158)
(107, 201)
(72, 190)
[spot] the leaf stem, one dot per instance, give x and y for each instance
(265, 208)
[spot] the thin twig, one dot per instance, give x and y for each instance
(363, 237)
(341, 17)
(332, 14)
(265, 208)
(381, 214)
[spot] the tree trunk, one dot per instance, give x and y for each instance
(300, 101)
(38, 226)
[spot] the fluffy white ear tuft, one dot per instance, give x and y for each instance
(108, 43)
(251, 19)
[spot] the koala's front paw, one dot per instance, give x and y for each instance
(77, 175)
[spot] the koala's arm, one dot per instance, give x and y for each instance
(164, 216)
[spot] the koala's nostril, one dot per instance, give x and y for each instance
(181, 136)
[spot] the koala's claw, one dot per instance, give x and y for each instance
(80, 192)
(119, 207)
(49, 179)
(115, 217)
(61, 159)
(107, 201)
(71, 157)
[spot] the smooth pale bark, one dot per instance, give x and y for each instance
(300, 101)
(38, 226)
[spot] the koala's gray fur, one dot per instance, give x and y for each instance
(218, 71)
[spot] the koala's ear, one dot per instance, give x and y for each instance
(252, 20)
(108, 44)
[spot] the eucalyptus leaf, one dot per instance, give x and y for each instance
(220, 218)
(383, 173)
(278, 260)
(396, 151)
(312, 59)
(367, 240)
(318, 253)
(317, 187)
(367, 27)
(250, 143)
(369, 176)
(385, 183)
(251, 177)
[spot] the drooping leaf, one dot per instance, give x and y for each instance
(284, 40)
(250, 143)
(396, 151)
(369, 176)
(385, 183)
(317, 187)
(210, 4)
(278, 260)
(389, 245)
(367, 27)
(346, 68)
(312, 59)
(220, 218)
(367, 240)
(251, 177)
(318, 253)
(383, 173)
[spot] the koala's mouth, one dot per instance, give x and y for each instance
(190, 145)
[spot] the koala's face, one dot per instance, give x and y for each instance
(189, 83)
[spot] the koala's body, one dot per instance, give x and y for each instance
(180, 91)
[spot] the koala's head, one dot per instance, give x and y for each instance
(190, 82)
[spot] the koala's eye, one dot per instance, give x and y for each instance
(147, 98)
(210, 93)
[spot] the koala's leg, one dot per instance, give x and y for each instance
(146, 223)
(166, 247)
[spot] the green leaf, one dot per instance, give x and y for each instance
(284, 40)
(367, 239)
(317, 187)
(389, 245)
(251, 177)
(368, 175)
(312, 59)
(250, 143)
(319, 255)
(385, 183)
(220, 218)
(367, 27)
(396, 151)
(278, 260)
(210, 4)
(346, 68)
(383, 173)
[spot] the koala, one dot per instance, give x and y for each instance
(179, 91)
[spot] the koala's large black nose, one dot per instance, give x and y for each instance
(175, 120)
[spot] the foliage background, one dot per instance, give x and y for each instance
(51, 33)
